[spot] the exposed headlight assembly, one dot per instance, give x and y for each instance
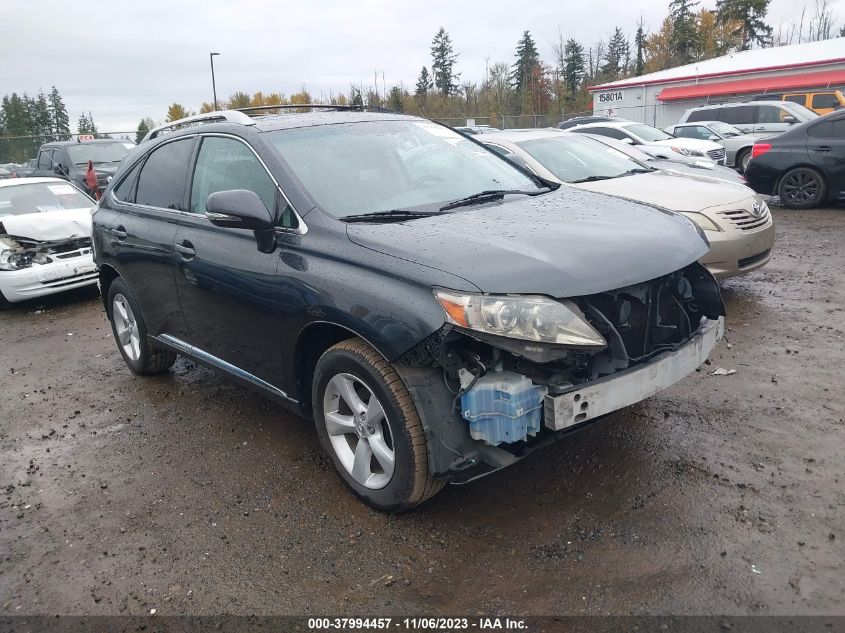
(521, 317)
(687, 152)
(16, 260)
(703, 221)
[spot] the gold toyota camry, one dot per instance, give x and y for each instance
(734, 218)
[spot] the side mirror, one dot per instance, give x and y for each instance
(628, 141)
(791, 120)
(713, 137)
(59, 169)
(243, 209)
(238, 209)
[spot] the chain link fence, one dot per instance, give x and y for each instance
(20, 150)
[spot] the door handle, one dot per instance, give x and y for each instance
(822, 148)
(185, 249)
(119, 233)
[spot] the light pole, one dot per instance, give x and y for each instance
(213, 85)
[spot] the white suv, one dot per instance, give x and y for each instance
(772, 117)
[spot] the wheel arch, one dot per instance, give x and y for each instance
(107, 275)
(311, 343)
(804, 165)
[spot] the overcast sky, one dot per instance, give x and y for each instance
(126, 60)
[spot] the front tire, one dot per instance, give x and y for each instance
(130, 333)
(802, 188)
(368, 425)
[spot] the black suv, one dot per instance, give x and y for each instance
(69, 160)
(436, 310)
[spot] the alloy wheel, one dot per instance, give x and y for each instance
(126, 328)
(359, 431)
(801, 187)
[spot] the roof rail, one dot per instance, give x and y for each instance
(316, 106)
(232, 116)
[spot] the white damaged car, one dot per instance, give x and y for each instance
(45, 239)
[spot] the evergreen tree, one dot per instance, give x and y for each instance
(357, 99)
(616, 55)
(395, 99)
(17, 115)
(574, 67)
(749, 18)
(527, 60)
(143, 127)
(639, 42)
(443, 60)
(41, 119)
(58, 115)
(86, 124)
(424, 83)
(684, 38)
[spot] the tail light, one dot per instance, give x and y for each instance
(759, 149)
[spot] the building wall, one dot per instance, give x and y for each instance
(639, 103)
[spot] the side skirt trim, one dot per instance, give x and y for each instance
(181, 347)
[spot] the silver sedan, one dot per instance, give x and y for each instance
(737, 143)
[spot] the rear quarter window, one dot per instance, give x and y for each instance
(828, 100)
(710, 114)
(740, 115)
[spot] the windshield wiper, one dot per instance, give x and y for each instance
(392, 214)
(490, 194)
(591, 179)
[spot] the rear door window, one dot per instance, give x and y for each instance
(770, 114)
(611, 132)
(740, 115)
(163, 176)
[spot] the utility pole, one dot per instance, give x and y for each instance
(213, 84)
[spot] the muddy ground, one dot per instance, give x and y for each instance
(185, 494)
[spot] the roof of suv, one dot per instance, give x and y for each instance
(269, 123)
(94, 141)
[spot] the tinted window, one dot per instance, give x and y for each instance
(801, 99)
(710, 114)
(604, 131)
(162, 179)
(693, 131)
(825, 101)
(44, 160)
(125, 191)
(834, 129)
(740, 115)
(224, 164)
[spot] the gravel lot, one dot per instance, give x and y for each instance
(185, 494)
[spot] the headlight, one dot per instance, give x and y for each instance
(13, 260)
(523, 317)
(687, 152)
(703, 221)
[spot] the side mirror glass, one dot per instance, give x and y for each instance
(713, 137)
(791, 120)
(238, 209)
(628, 141)
(59, 169)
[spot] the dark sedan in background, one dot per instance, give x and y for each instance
(804, 166)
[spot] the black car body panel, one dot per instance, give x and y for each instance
(818, 144)
(567, 243)
(209, 292)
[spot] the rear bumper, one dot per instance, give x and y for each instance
(624, 388)
(40, 280)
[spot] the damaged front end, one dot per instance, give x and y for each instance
(506, 375)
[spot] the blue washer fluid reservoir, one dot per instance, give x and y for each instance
(503, 407)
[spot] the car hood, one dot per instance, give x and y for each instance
(672, 191)
(563, 244)
(48, 226)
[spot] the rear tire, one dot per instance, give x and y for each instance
(742, 159)
(369, 427)
(802, 188)
(130, 333)
(5, 304)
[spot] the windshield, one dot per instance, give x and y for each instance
(97, 153)
(647, 133)
(579, 158)
(41, 197)
(801, 113)
(374, 166)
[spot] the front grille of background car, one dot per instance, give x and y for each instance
(746, 221)
(717, 154)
